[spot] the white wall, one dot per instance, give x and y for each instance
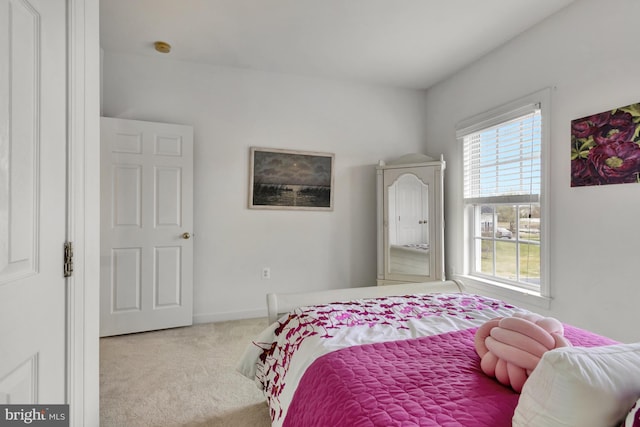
(233, 109)
(589, 53)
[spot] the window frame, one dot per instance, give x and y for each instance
(478, 239)
(494, 117)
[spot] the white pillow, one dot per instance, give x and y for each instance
(576, 386)
(633, 418)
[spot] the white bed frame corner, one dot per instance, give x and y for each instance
(281, 303)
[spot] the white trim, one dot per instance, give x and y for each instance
(517, 296)
(380, 222)
(488, 118)
(502, 113)
(521, 199)
(83, 226)
(545, 200)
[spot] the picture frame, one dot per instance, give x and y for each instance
(291, 179)
(605, 147)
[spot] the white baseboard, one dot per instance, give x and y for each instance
(229, 315)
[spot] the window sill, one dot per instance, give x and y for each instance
(503, 291)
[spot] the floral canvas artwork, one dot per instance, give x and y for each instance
(605, 147)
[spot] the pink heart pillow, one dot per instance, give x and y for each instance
(511, 347)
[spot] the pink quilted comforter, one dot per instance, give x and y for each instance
(429, 381)
(403, 360)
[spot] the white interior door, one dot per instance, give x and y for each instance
(32, 201)
(410, 210)
(146, 279)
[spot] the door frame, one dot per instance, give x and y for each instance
(83, 218)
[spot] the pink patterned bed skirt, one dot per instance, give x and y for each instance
(430, 381)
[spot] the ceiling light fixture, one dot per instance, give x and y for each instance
(162, 47)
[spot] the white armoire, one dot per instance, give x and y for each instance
(410, 219)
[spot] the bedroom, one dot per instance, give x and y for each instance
(591, 271)
(592, 274)
(585, 52)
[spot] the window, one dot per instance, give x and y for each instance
(503, 195)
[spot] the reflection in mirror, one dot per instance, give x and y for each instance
(408, 227)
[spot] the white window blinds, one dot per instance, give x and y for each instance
(502, 162)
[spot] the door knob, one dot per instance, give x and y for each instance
(186, 235)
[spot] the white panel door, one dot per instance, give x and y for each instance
(411, 210)
(146, 279)
(32, 201)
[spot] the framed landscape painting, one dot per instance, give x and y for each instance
(290, 179)
(605, 147)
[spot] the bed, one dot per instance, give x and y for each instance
(405, 356)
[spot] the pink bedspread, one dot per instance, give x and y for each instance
(430, 381)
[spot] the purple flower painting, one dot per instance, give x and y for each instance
(605, 147)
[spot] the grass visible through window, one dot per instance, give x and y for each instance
(506, 259)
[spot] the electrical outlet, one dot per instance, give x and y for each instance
(266, 273)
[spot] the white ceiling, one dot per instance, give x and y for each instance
(408, 43)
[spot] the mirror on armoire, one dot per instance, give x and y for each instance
(408, 229)
(410, 220)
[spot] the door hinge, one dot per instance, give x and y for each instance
(68, 259)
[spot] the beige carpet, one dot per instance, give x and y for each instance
(180, 377)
